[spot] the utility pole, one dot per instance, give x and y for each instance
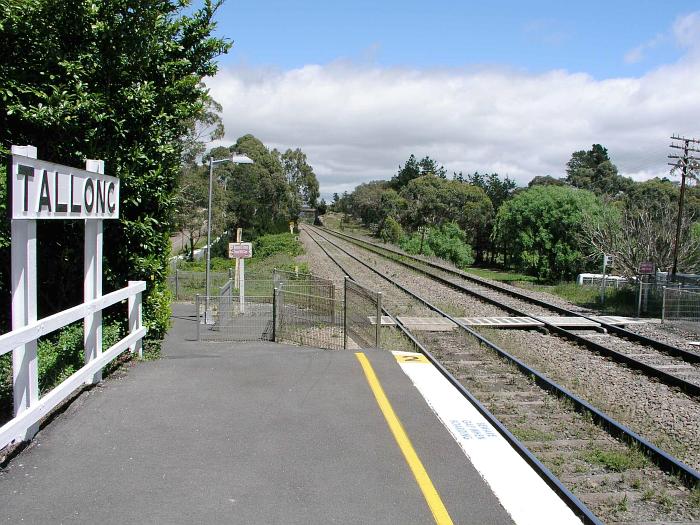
(685, 163)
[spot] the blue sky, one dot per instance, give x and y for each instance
(591, 37)
(506, 87)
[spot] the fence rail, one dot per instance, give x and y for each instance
(682, 306)
(24, 425)
(363, 314)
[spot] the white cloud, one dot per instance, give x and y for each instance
(636, 55)
(359, 122)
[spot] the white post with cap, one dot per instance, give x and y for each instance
(92, 282)
(25, 366)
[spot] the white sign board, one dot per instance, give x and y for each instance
(240, 250)
(44, 190)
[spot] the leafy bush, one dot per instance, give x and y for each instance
(267, 245)
(412, 245)
(391, 231)
(541, 229)
(447, 242)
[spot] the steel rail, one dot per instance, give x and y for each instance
(661, 458)
(667, 378)
(690, 357)
(575, 504)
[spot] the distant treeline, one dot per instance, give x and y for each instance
(552, 229)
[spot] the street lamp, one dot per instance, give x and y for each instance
(236, 159)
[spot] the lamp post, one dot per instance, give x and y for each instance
(236, 159)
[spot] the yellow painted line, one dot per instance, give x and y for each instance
(426, 485)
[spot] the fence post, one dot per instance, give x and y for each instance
(196, 305)
(275, 291)
(177, 285)
(135, 319)
(663, 305)
(25, 363)
(345, 313)
(379, 320)
(639, 298)
(92, 282)
(332, 294)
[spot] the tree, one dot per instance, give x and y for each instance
(112, 80)
(498, 191)
(641, 227)
(593, 170)
(414, 169)
(365, 201)
(192, 206)
(300, 175)
(546, 180)
(258, 196)
(203, 127)
(540, 230)
(633, 236)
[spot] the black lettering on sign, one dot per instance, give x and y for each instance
(101, 194)
(27, 171)
(111, 203)
(60, 206)
(89, 204)
(74, 208)
(44, 196)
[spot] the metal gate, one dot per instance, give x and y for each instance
(363, 316)
(224, 318)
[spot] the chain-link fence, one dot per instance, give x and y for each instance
(184, 285)
(303, 283)
(301, 309)
(227, 318)
(363, 316)
(306, 319)
(682, 306)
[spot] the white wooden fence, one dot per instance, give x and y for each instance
(26, 421)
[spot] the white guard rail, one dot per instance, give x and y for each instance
(25, 424)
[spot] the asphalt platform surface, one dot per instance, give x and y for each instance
(241, 433)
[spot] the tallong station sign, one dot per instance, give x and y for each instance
(44, 190)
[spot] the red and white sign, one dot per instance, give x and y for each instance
(646, 268)
(240, 250)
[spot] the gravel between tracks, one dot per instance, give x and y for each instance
(663, 415)
(667, 332)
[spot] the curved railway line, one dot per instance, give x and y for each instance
(566, 433)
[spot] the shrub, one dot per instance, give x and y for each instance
(447, 242)
(267, 245)
(391, 231)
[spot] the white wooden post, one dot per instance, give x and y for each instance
(25, 366)
(241, 288)
(239, 238)
(135, 320)
(92, 284)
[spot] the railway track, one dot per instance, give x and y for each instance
(571, 437)
(671, 365)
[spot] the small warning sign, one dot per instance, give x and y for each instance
(411, 358)
(240, 250)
